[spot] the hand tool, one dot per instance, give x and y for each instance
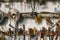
(24, 31)
(48, 21)
(38, 18)
(57, 29)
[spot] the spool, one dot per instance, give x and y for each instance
(14, 14)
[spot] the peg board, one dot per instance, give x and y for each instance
(30, 23)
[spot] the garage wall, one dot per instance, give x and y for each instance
(30, 23)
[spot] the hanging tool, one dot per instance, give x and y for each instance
(52, 37)
(38, 18)
(50, 34)
(49, 30)
(48, 21)
(32, 33)
(10, 33)
(24, 31)
(53, 33)
(16, 30)
(28, 32)
(35, 33)
(42, 33)
(13, 27)
(44, 30)
(57, 28)
(58, 25)
(20, 31)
